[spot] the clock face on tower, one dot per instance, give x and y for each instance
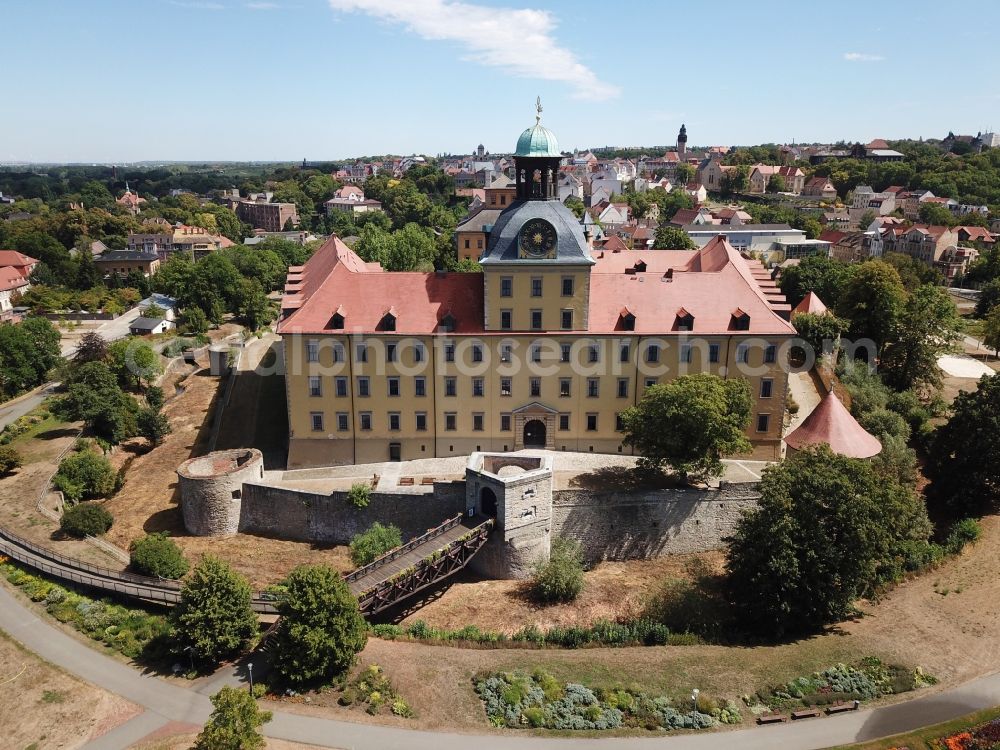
(537, 238)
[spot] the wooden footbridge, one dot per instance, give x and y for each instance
(419, 563)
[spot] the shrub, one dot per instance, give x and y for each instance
(966, 531)
(360, 495)
(84, 476)
(85, 520)
(10, 459)
(158, 555)
(374, 543)
(561, 578)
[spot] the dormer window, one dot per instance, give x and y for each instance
(447, 323)
(684, 321)
(338, 319)
(740, 321)
(626, 320)
(388, 322)
(640, 266)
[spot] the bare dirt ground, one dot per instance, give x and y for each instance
(182, 737)
(42, 707)
(149, 502)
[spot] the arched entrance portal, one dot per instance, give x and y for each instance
(488, 502)
(534, 433)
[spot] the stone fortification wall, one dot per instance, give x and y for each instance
(313, 517)
(630, 525)
(211, 489)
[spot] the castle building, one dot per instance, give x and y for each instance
(543, 348)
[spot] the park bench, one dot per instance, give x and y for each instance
(427, 481)
(771, 718)
(841, 707)
(406, 481)
(806, 713)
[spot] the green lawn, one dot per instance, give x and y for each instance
(922, 738)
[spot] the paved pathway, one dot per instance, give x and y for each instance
(166, 701)
(18, 407)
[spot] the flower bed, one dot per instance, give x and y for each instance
(982, 737)
(373, 690)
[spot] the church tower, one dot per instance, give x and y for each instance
(682, 142)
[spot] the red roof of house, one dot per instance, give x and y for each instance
(832, 423)
(11, 278)
(16, 259)
(709, 283)
(811, 304)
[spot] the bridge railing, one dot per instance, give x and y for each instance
(403, 549)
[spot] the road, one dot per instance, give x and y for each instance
(110, 330)
(24, 403)
(165, 702)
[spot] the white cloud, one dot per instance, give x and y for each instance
(862, 57)
(517, 40)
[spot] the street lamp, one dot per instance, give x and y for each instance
(190, 653)
(250, 669)
(694, 699)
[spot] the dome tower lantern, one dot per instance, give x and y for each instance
(536, 161)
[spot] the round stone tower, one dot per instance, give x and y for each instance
(211, 489)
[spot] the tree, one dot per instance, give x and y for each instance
(10, 459)
(991, 329)
(575, 204)
(707, 417)
(928, 329)
(827, 530)
(825, 277)
(158, 555)
(937, 215)
(94, 396)
(821, 332)
(92, 348)
(321, 630)
(252, 305)
(214, 617)
(776, 184)
(374, 543)
(873, 301)
(672, 238)
(736, 180)
(85, 475)
(560, 578)
(154, 397)
(85, 520)
(866, 219)
(133, 362)
(153, 310)
(963, 459)
(684, 173)
(195, 320)
(234, 724)
(87, 275)
(28, 350)
(989, 297)
(912, 272)
(153, 425)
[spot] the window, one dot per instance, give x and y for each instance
(477, 352)
(567, 286)
(763, 422)
(363, 386)
(315, 386)
(479, 243)
(504, 386)
(564, 352)
(394, 421)
(390, 352)
(506, 286)
(477, 387)
(419, 386)
(421, 421)
(742, 354)
(770, 354)
(449, 352)
(505, 423)
(361, 353)
(766, 386)
(316, 418)
(564, 386)
(418, 352)
(506, 320)
(594, 353)
(536, 286)
(366, 420)
(619, 423)
(450, 387)
(506, 352)
(713, 352)
(591, 423)
(338, 352)
(477, 422)
(653, 353)
(341, 386)
(622, 387)
(467, 244)
(563, 422)
(343, 425)
(623, 353)
(686, 353)
(393, 384)
(536, 320)
(449, 421)
(567, 320)
(593, 387)
(338, 322)
(535, 387)
(312, 351)
(650, 382)
(536, 352)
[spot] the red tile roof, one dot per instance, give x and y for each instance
(11, 278)
(832, 423)
(811, 304)
(15, 259)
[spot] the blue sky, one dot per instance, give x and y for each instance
(114, 81)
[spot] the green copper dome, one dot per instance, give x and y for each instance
(537, 141)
